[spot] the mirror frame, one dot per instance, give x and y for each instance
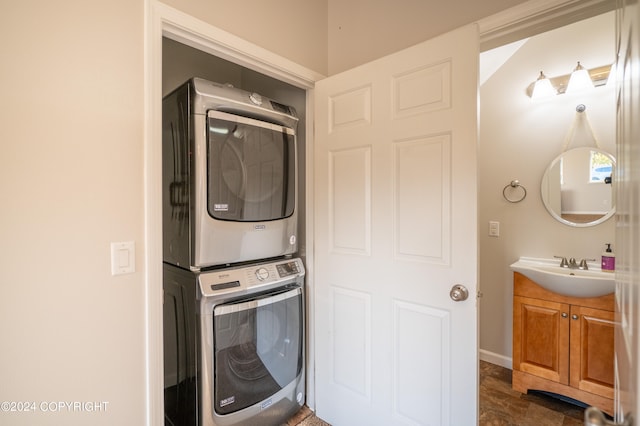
(554, 214)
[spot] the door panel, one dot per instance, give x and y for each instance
(422, 90)
(421, 192)
(592, 345)
(420, 367)
(351, 322)
(350, 109)
(627, 187)
(350, 201)
(396, 228)
(543, 330)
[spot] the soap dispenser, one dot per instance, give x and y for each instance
(608, 259)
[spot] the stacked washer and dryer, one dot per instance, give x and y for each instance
(233, 292)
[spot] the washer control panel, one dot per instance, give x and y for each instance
(287, 269)
(230, 280)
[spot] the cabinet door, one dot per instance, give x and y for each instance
(592, 346)
(541, 338)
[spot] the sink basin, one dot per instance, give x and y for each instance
(565, 281)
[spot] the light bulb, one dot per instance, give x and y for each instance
(542, 88)
(579, 80)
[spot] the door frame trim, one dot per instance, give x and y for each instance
(203, 36)
(535, 17)
(164, 21)
(160, 20)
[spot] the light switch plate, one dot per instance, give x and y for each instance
(123, 258)
(494, 229)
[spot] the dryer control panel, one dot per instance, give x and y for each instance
(249, 278)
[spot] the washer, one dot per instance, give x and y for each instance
(234, 344)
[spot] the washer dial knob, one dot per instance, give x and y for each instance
(262, 274)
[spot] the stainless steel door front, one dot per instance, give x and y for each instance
(251, 169)
(258, 348)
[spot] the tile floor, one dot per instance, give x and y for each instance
(499, 405)
(306, 417)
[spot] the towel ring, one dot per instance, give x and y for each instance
(514, 184)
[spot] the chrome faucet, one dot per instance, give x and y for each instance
(564, 263)
(573, 264)
(583, 264)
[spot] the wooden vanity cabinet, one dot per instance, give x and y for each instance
(563, 344)
(592, 348)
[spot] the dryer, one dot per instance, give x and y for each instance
(229, 164)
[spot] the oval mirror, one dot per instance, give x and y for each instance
(576, 187)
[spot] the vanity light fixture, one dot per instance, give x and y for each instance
(595, 77)
(579, 80)
(542, 87)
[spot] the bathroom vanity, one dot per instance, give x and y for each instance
(563, 344)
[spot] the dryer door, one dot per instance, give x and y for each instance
(251, 169)
(257, 349)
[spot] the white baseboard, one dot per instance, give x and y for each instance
(496, 359)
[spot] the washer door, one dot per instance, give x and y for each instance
(257, 349)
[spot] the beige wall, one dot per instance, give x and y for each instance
(360, 31)
(518, 139)
(71, 150)
(71, 179)
(294, 29)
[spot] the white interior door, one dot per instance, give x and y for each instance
(396, 229)
(627, 186)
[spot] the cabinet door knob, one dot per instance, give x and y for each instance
(564, 315)
(574, 316)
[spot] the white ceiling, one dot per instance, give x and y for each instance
(492, 60)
